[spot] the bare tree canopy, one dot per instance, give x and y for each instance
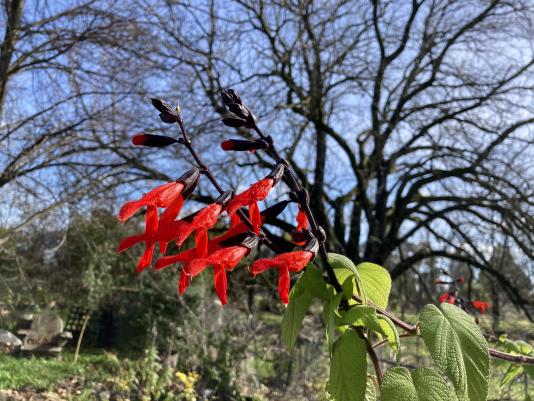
(411, 122)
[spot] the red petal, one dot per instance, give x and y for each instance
(161, 196)
(257, 192)
(151, 220)
(172, 259)
(255, 217)
(201, 242)
(234, 220)
(172, 211)
(146, 259)
(302, 220)
(184, 282)
(130, 241)
(163, 247)
(207, 217)
(219, 279)
(260, 265)
(283, 284)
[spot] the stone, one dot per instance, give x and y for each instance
(9, 340)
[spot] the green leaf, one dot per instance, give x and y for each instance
(312, 279)
(348, 368)
(347, 275)
(390, 331)
(424, 384)
(458, 347)
(376, 282)
(370, 390)
(513, 371)
(362, 315)
(329, 314)
(299, 303)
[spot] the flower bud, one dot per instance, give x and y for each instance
(155, 141)
(233, 122)
(240, 145)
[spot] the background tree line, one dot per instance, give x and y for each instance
(410, 122)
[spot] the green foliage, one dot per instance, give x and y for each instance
(390, 331)
(348, 369)
(376, 283)
(312, 279)
(299, 302)
(424, 384)
(363, 316)
(458, 347)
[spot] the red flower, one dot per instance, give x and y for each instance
(285, 263)
(200, 222)
(447, 297)
(215, 243)
(151, 228)
(168, 195)
(222, 259)
(161, 196)
(480, 305)
(257, 192)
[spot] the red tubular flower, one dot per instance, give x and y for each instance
(149, 237)
(481, 306)
(164, 196)
(285, 263)
(447, 297)
(222, 260)
(215, 243)
(200, 222)
(257, 192)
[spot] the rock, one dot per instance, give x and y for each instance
(8, 340)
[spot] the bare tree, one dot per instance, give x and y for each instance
(411, 122)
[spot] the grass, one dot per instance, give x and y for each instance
(44, 373)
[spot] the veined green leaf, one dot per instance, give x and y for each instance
(362, 315)
(376, 282)
(424, 384)
(312, 279)
(370, 390)
(299, 303)
(458, 347)
(348, 368)
(329, 314)
(340, 262)
(390, 331)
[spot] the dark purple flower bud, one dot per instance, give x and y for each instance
(190, 180)
(312, 246)
(238, 110)
(277, 173)
(155, 141)
(243, 145)
(225, 197)
(233, 122)
(162, 106)
(229, 96)
(168, 118)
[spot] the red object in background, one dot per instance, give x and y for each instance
(460, 280)
(447, 298)
(285, 263)
(481, 306)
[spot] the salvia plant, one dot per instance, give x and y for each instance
(354, 297)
